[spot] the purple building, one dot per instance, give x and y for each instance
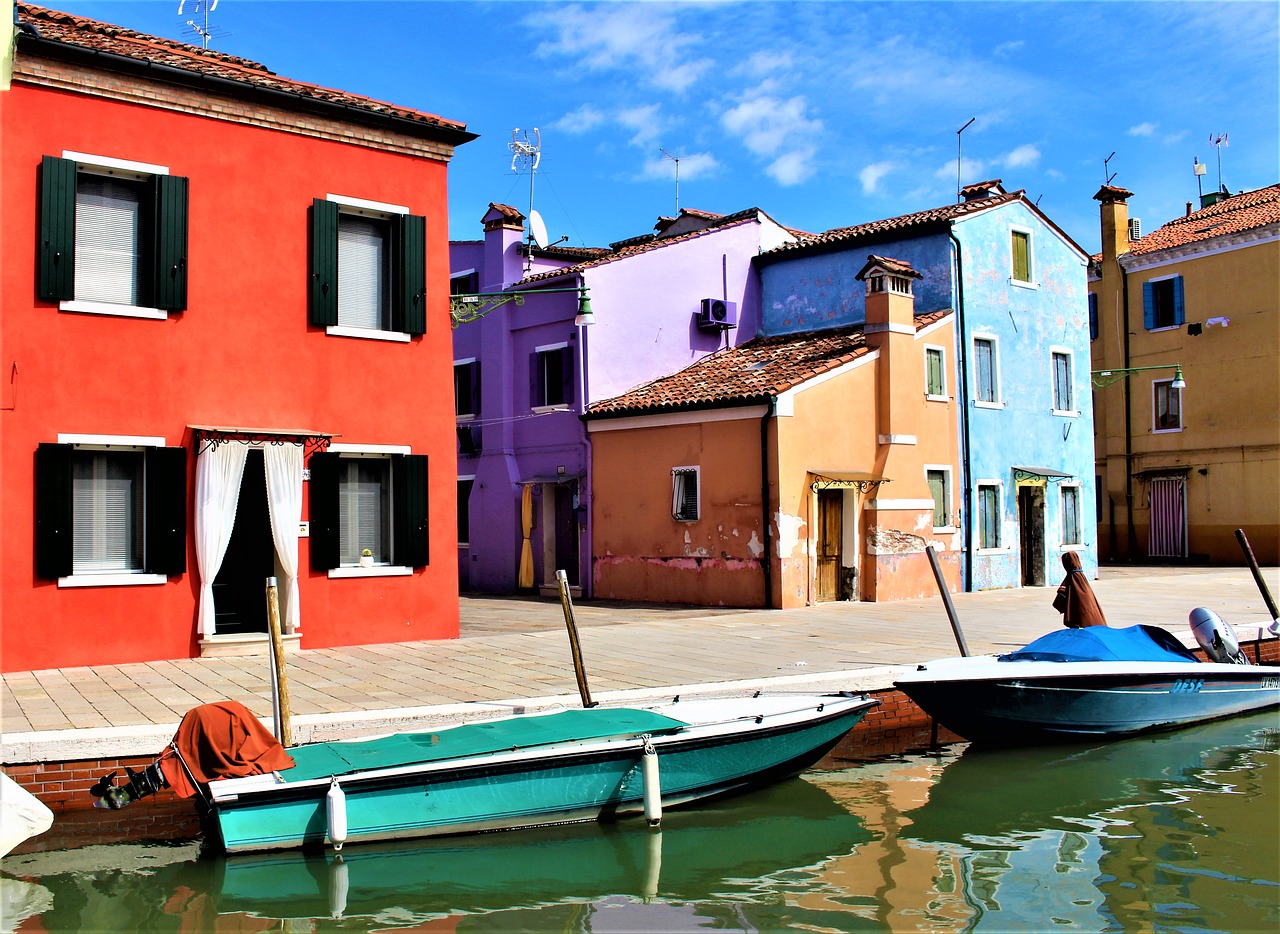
(527, 367)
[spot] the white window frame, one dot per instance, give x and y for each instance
(998, 402)
(1155, 399)
(383, 452)
(88, 442)
(944, 396)
(677, 491)
(1029, 233)
(376, 210)
(89, 164)
(948, 495)
(1062, 506)
(999, 547)
(542, 406)
(1067, 352)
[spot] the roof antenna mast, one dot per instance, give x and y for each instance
(527, 153)
(1107, 174)
(676, 160)
(200, 9)
(1219, 142)
(958, 132)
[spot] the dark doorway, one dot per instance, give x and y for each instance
(566, 531)
(239, 590)
(1031, 534)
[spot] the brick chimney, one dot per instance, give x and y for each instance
(891, 329)
(1115, 221)
(503, 233)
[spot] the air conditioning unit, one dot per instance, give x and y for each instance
(717, 315)
(1135, 229)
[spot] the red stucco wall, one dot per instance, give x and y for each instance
(242, 354)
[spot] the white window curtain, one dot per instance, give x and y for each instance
(219, 469)
(284, 501)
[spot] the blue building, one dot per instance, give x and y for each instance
(1024, 490)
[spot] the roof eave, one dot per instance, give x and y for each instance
(703, 406)
(123, 64)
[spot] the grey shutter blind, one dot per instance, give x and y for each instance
(364, 508)
(362, 264)
(933, 358)
(169, 289)
(322, 497)
(983, 352)
(108, 239)
(57, 247)
(412, 525)
(53, 511)
(107, 510)
(323, 292)
(166, 538)
(1061, 382)
(410, 286)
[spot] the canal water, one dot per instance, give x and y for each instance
(1176, 832)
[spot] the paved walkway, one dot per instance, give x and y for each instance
(517, 648)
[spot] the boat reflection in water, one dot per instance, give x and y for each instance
(1171, 831)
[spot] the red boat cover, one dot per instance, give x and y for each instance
(1075, 599)
(220, 740)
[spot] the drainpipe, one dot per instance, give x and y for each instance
(962, 407)
(1128, 418)
(587, 495)
(766, 561)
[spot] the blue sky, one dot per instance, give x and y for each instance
(823, 114)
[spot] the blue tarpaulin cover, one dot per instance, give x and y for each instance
(1103, 644)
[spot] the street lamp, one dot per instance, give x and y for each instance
(1102, 378)
(472, 306)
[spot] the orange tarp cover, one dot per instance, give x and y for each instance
(221, 740)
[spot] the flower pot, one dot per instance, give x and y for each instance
(366, 561)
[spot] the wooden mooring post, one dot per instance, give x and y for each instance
(279, 679)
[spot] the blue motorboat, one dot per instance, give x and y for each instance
(1094, 682)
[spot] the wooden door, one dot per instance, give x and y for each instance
(830, 525)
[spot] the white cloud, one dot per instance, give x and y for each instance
(792, 168)
(1142, 129)
(694, 166)
(1021, 157)
(768, 124)
(1005, 49)
(645, 122)
(870, 176)
(640, 38)
(766, 63)
(581, 120)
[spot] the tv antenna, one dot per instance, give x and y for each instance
(676, 160)
(958, 134)
(1107, 174)
(199, 25)
(1219, 142)
(1199, 168)
(526, 153)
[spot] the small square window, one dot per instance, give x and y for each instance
(1021, 243)
(1166, 406)
(988, 515)
(1063, 400)
(1071, 515)
(684, 494)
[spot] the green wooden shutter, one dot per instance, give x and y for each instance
(409, 291)
(1021, 256)
(1179, 306)
(323, 295)
(169, 248)
(53, 511)
(410, 520)
(166, 501)
(56, 251)
(323, 496)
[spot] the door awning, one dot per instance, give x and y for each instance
(845, 480)
(1151, 473)
(1039, 473)
(551, 478)
(213, 435)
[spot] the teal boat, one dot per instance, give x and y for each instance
(530, 770)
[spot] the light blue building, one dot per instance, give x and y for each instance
(1024, 490)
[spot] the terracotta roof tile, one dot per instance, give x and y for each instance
(1245, 211)
(750, 372)
(71, 30)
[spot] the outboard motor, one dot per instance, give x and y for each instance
(1216, 637)
(139, 785)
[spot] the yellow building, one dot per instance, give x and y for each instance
(1186, 360)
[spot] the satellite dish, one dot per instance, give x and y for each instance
(537, 229)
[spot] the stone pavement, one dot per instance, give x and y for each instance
(517, 648)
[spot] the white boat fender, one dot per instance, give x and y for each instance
(339, 886)
(652, 783)
(336, 802)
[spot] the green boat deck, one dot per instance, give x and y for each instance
(321, 760)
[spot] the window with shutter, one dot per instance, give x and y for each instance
(988, 515)
(939, 480)
(110, 510)
(466, 388)
(935, 380)
(1162, 303)
(1070, 515)
(362, 273)
(1021, 244)
(552, 376)
(112, 236)
(364, 498)
(1062, 396)
(684, 496)
(986, 373)
(364, 509)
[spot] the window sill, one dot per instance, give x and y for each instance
(931, 397)
(123, 579)
(464, 418)
(1165, 431)
(369, 334)
(1018, 283)
(1163, 327)
(110, 308)
(945, 529)
(992, 551)
(979, 404)
(1067, 413)
(544, 409)
(379, 570)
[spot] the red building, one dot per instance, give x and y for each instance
(226, 355)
